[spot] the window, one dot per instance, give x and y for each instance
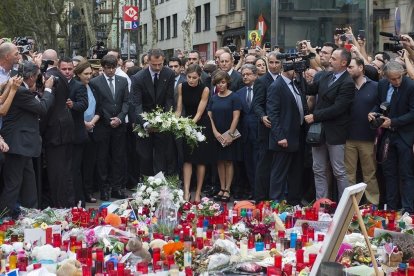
(207, 17)
(168, 27)
(175, 25)
(243, 4)
(144, 37)
(155, 2)
(144, 5)
(161, 1)
(162, 29)
(232, 5)
(198, 19)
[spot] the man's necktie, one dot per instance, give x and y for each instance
(332, 80)
(298, 101)
(393, 101)
(111, 86)
(249, 96)
(155, 83)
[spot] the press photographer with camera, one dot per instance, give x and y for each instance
(21, 132)
(398, 136)
(57, 132)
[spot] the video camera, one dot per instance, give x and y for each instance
(299, 62)
(378, 121)
(100, 50)
(23, 45)
(393, 47)
(43, 68)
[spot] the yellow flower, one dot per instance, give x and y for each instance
(43, 226)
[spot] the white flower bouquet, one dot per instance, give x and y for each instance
(180, 127)
(148, 192)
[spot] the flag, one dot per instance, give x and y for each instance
(261, 25)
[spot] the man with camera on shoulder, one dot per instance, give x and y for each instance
(398, 135)
(21, 132)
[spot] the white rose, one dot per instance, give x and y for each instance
(149, 189)
(146, 201)
(200, 137)
(180, 192)
(151, 179)
(154, 194)
(158, 119)
(158, 181)
(142, 188)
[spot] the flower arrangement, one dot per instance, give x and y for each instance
(208, 208)
(239, 230)
(181, 127)
(148, 193)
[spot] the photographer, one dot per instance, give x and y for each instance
(21, 132)
(398, 135)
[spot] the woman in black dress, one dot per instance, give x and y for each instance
(224, 112)
(193, 98)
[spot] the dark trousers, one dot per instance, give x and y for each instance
(264, 165)
(77, 153)
(89, 164)
(251, 157)
(59, 172)
(132, 158)
(19, 183)
(398, 168)
(111, 159)
(154, 153)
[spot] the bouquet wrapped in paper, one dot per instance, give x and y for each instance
(180, 127)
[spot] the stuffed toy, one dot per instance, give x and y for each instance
(138, 252)
(70, 268)
(47, 255)
(157, 243)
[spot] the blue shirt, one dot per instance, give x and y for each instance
(90, 111)
(389, 93)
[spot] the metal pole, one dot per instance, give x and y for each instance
(129, 42)
(369, 26)
(274, 11)
(117, 25)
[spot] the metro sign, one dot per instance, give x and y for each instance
(130, 13)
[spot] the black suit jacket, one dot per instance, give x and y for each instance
(402, 110)
(110, 107)
(260, 88)
(333, 107)
(21, 124)
(57, 127)
(284, 116)
(248, 120)
(236, 81)
(143, 96)
(79, 96)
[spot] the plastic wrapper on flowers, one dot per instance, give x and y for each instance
(180, 127)
(147, 197)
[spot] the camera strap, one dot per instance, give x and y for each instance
(381, 145)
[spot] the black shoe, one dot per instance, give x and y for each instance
(90, 199)
(211, 191)
(104, 196)
(225, 198)
(118, 195)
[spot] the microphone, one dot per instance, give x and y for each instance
(386, 34)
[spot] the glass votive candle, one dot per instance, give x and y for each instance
(312, 258)
(287, 269)
(142, 267)
(156, 255)
(110, 266)
(278, 261)
(299, 256)
(259, 246)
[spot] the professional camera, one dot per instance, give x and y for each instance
(43, 68)
(299, 62)
(395, 46)
(100, 50)
(378, 121)
(23, 45)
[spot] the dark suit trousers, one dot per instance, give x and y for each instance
(154, 153)
(111, 159)
(77, 153)
(59, 171)
(19, 183)
(251, 157)
(88, 165)
(264, 165)
(398, 168)
(132, 158)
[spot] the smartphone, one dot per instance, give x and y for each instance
(361, 34)
(267, 45)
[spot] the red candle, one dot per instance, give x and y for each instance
(287, 269)
(278, 261)
(299, 256)
(200, 243)
(209, 234)
(120, 267)
(86, 270)
(156, 256)
(251, 241)
(321, 237)
(311, 233)
(312, 258)
(110, 266)
(280, 234)
(57, 240)
(186, 231)
(99, 254)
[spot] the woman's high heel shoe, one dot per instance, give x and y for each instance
(225, 198)
(219, 196)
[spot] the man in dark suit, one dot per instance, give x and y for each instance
(77, 103)
(249, 124)
(226, 64)
(195, 58)
(175, 64)
(286, 108)
(335, 92)
(262, 182)
(153, 87)
(110, 131)
(21, 132)
(398, 126)
(57, 131)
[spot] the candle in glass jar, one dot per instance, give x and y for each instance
(278, 261)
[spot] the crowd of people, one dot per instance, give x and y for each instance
(67, 124)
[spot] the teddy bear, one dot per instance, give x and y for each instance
(138, 252)
(47, 255)
(70, 268)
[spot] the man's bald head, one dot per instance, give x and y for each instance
(50, 54)
(9, 55)
(6, 48)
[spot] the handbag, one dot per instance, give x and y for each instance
(236, 134)
(314, 136)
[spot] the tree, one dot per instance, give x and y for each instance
(154, 39)
(187, 25)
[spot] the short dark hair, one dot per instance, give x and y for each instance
(155, 53)
(65, 59)
(197, 52)
(29, 69)
(194, 68)
(359, 61)
(385, 56)
(177, 59)
(345, 55)
(133, 70)
(109, 60)
(332, 45)
(220, 75)
(143, 58)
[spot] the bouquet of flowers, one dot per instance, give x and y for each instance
(181, 127)
(208, 208)
(148, 193)
(239, 230)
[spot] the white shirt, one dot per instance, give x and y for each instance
(107, 81)
(274, 76)
(121, 73)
